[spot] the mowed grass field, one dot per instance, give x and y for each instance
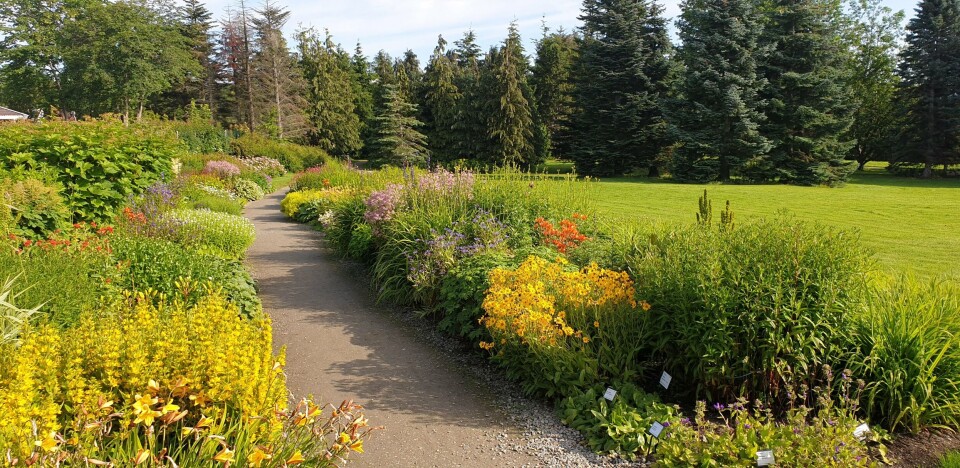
(910, 224)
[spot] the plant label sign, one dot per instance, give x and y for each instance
(610, 394)
(861, 431)
(665, 380)
(656, 429)
(765, 458)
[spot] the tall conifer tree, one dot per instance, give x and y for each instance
(716, 115)
(553, 87)
(399, 141)
(510, 120)
(623, 75)
(930, 68)
(441, 98)
(808, 106)
(336, 126)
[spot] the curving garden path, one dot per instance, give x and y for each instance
(340, 346)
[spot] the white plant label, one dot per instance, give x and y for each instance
(665, 380)
(861, 431)
(610, 394)
(765, 458)
(656, 429)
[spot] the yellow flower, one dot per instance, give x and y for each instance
(170, 408)
(357, 446)
(645, 305)
(258, 457)
(141, 457)
(49, 443)
(296, 459)
(344, 438)
(144, 411)
(225, 456)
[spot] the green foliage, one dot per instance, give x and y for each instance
(752, 310)
(950, 460)
(808, 108)
(199, 133)
(98, 164)
(248, 190)
(361, 245)
(510, 117)
(716, 115)
(347, 220)
(198, 194)
(178, 272)
(293, 156)
(930, 70)
(461, 295)
(619, 427)
(622, 75)
(32, 208)
(806, 437)
(553, 87)
(222, 234)
(330, 91)
(13, 318)
(399, 142)
(908, 342)
(442, 97)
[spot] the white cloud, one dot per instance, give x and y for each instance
(396, 26)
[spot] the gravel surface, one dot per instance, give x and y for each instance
(441, 403)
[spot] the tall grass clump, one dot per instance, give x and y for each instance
(908, 351)
(223, 234)
(753, 311)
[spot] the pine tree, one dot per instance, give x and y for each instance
(808, 107)
(553, 87)
(441, 99)
(622, 76)
(336, 125)
(510, 123)
(930, 68)
(399, 141)
(716, 114)
(196, 25)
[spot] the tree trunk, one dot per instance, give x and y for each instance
(140, 111)
(276, 94)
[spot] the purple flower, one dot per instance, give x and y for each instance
(221, 169)
(718, 406)
(685, 421)
(747, 426)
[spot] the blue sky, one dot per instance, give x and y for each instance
(395, 26)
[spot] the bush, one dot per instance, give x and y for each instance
(55, 382)
(462, 291)
(753, 311)
(307, 206)
(99, 164)
(248, 190)
(178, 272)
(221, 169)
(619, 427)
(32, 208)
(806, 437)
(908, 350)
(223, 234)
(293, 156)
(560, 331)
(202, 137)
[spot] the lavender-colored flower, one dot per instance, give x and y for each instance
(747, 426)
(718, 406)
(382, 204)
(221, 169)
(685, 421)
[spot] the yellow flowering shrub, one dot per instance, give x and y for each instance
(554, 327)
(293, 202)
(58, 377)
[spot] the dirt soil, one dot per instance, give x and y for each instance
(341, 346)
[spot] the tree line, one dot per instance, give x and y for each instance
(787, 91)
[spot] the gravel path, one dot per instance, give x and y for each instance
(438, 406)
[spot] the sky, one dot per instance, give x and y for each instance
(395, 26)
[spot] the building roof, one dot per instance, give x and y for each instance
(11, 114)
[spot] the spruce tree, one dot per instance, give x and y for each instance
(362, 82)
(622, 76)
(336, 125)
(441, 98)
(398, 140)
(553, 87)
(930, 68)
(510, 122)
(716, 115)
(809, 109)
(471, 125)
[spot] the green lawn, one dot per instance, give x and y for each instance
(911, 224)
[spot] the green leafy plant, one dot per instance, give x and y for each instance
(619, 427)
(12, 317)
(33, 209)
(248, 190)
(223, 234)
(908, 350)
